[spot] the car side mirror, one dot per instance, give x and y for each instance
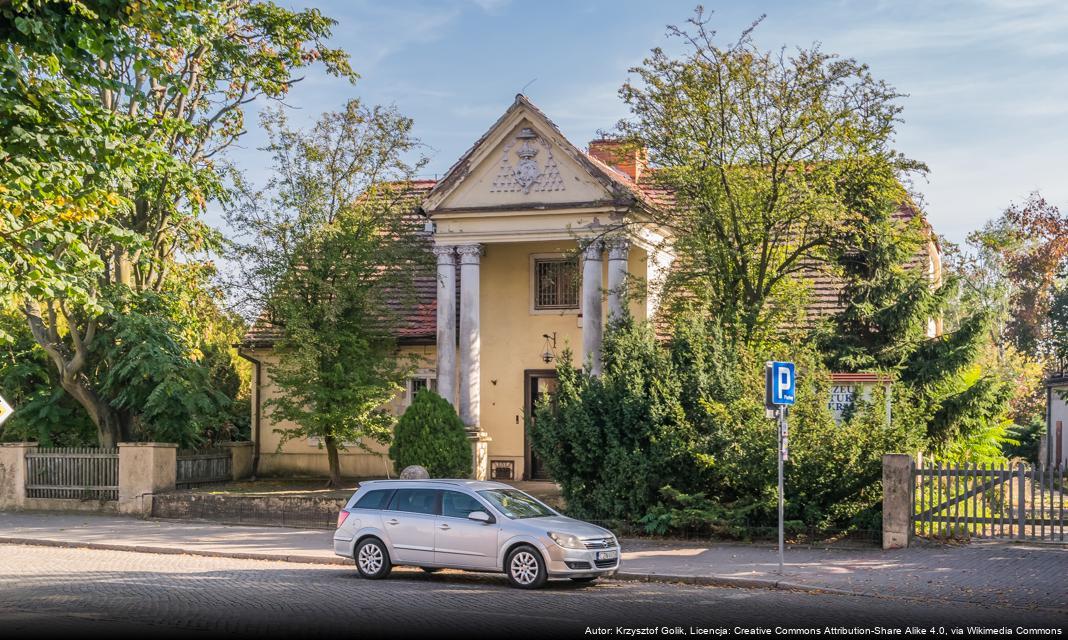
(481, 516)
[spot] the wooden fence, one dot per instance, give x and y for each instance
(987, 501)
(201, 467)
(73, 472)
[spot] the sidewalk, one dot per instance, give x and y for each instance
(1029, 576)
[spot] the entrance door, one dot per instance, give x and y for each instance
(538, 382)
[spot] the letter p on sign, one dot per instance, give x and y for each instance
(780, 383)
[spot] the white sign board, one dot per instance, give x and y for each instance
(848, 388)
(843, 395)
(5, 410)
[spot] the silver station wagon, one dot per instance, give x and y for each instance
(472, 525)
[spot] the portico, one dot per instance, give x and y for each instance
(521, 212)
(465, 395)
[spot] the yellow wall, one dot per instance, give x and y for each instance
(512, 338)
(512, 342)
(298, 455)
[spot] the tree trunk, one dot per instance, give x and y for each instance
(70, 366)
(335, 466)
(108, 421)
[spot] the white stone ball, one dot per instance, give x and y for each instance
(415, 472)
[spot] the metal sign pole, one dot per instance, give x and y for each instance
(779, 385)
(782, 424)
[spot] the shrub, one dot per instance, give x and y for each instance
(430, 434)
(674, 436)
(613, 442)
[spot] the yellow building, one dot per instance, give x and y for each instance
(509, 218)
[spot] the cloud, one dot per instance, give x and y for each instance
(490, 6)
(1033, 28)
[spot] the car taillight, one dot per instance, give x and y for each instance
(341, 517)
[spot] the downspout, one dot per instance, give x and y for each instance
(1049, 426)
(258, 381)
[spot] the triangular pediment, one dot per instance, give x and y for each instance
(524, 162)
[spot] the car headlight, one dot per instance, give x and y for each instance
(566, 540)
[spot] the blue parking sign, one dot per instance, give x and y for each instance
(780, 383)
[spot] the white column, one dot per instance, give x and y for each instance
(618, 250)
(592, 325)
(470, 346)
(446, 323)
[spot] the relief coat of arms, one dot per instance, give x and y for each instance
(527, 174)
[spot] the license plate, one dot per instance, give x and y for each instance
(606, 555)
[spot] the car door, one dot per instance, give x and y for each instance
(461, 542)
(410, 524)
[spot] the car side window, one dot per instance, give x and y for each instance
(377, 499)
(415, 501)
(458, 505)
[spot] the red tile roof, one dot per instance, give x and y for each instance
(420, 324)
(419, 311)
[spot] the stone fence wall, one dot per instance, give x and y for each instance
(145, 470)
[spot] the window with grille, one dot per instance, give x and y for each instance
(556, 284)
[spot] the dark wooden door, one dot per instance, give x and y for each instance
(537, 383)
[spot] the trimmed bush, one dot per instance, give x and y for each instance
(673, 436)
(430, 434)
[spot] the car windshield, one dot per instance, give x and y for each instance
(515, 504)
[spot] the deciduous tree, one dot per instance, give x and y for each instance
(761, 150)
(119, 111)
(328, 250)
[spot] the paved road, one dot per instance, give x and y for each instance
(1001, 575)
(108, 592)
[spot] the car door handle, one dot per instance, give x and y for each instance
(444, 527)
(394, 521)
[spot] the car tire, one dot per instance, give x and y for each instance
(431, 569)
(372, 559)
(526, 568)
(585, 579)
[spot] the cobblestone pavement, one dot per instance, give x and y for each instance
(1019, 575)
(106, 592)
(999, 574)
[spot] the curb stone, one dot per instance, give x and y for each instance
(238, 555)
(729, 581)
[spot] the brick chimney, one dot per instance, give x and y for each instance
(626, 159)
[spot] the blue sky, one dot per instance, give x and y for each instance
(987, 79)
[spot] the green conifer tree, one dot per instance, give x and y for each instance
(431, 435)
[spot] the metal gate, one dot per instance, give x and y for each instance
(986, 501)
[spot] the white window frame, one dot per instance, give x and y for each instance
(431, 383)
(533, 285)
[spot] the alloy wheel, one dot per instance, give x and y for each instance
(371, 558)
(524, 568)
